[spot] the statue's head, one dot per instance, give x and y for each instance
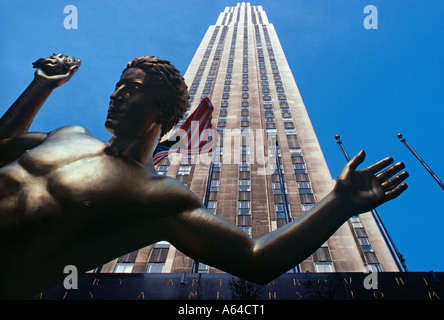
(150, 90)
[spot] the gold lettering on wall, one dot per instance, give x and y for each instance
(378, 294)
(95, 282)
(399, 281)
(433, 295)
(349, 281)
(272, 295)
(120, 281)
(170, 282)
(192, 295)
(296, 282)
(141, 296)
(352, 294)
(194, 282)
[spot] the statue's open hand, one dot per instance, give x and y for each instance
(56, 69)
(368, 188)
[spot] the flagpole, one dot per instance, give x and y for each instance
(399, 261)
(434, 176)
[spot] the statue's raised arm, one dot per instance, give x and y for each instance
(51, 73)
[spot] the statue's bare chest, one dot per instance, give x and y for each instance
(70, 168)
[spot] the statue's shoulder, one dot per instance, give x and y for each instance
(71, 129)
(175, 193)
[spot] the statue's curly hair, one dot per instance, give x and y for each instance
(167, 88)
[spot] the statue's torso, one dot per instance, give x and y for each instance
(68, 173)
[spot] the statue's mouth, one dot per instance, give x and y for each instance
(114, 109)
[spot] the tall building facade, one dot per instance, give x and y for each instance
(268, 167)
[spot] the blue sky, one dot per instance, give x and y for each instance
(365, 85)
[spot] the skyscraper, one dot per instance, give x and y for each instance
(268, 167)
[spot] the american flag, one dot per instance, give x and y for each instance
(195, 136)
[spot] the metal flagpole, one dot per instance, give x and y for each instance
(388, 240)
(434, 176)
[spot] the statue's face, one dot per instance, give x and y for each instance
(131, 111)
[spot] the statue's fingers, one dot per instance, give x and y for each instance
(375, 168)
(392, 194)
(73, 69)
(390, 172)
(392, 183)
(357, 160)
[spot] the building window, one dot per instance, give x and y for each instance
(305, 191)
(307, 198)
(211, 206)
(307, 206)
(214, 185)
(124, 267)
(244, 185)
(203, 268)
(322, 255)
(371, 257)
(364, 241)
(324, 266)
(162, 170)
(155, 267)
(244, 220)
(303, 185)
(246, 230)
(296, 151)
(357, 224)
(184, 170)
(374, 267)
(159, 253)
(244, 204)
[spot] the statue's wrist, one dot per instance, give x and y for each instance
(343, 204)
(43, 84)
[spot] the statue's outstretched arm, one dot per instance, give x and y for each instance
(51, 73)
(214, 241)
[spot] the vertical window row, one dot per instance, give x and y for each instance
(244, 187)
(322, 259)
(281, 206)
(270, 127)
(186, 169)
(302, 179)
(213, 179)
(200, 71)
(259, 17)
(365, 246)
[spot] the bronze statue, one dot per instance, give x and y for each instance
(67, 198)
